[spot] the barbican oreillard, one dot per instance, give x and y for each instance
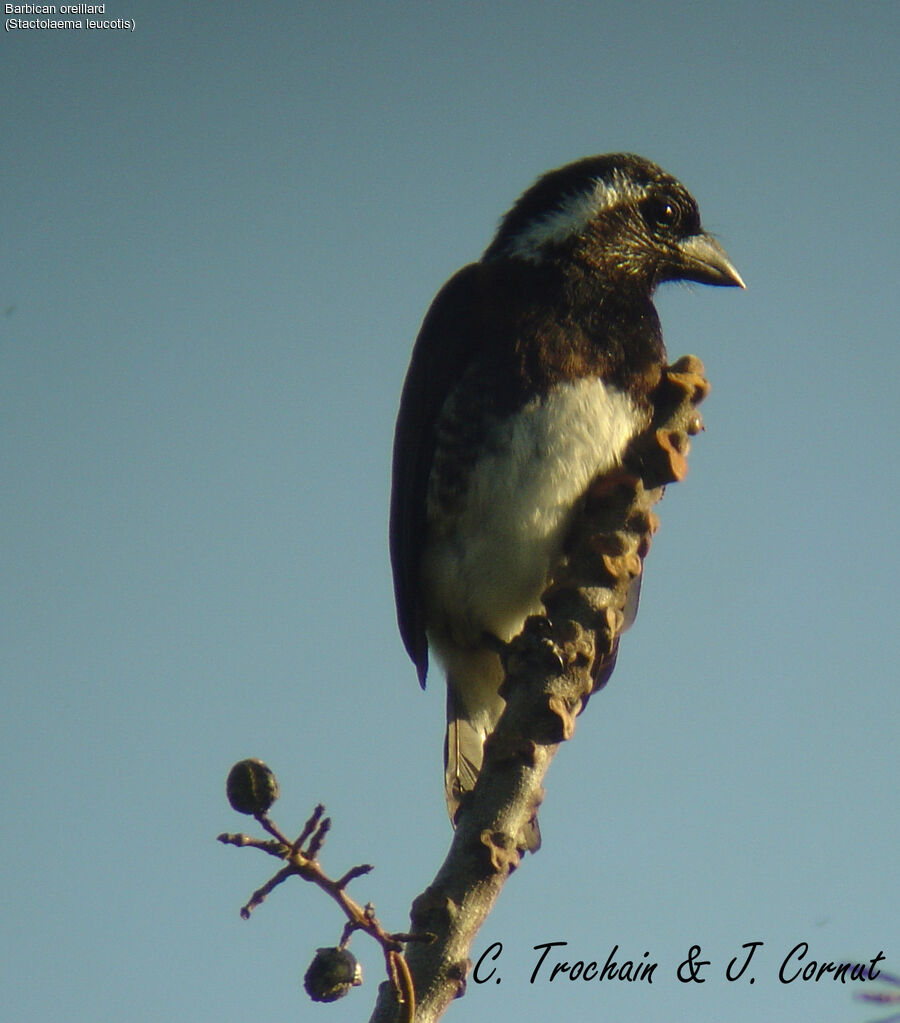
(55, 8)
(531, 375)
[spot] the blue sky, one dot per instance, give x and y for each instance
(220, 234)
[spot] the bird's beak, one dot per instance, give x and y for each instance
(704, 260)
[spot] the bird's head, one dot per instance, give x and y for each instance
(623, 218)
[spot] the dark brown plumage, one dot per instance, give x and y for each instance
(529, 377)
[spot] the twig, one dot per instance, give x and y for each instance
(304, 864)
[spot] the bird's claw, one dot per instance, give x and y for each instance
(534, 643)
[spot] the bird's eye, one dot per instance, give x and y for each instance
(662, 213)
(667, 214)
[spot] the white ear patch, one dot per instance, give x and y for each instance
(573, 215)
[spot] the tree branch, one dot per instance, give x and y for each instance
(551, 670)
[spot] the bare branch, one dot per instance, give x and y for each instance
(551, 670)
(304, 863)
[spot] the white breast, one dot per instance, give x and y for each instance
(488, 572)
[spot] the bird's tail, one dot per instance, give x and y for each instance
(473, 709)
(464, 748)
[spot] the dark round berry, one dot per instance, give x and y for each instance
(331, 974)
(251, 787)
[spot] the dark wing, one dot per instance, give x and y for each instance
(450, 334)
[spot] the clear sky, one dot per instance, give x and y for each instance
(220, 233)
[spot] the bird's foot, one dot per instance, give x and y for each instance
(534, 642)
(540, 631)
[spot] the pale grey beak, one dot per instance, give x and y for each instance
(704, 260)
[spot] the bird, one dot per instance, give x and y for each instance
(529, 377)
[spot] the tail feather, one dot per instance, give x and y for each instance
(463, 753)
(467, 731)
